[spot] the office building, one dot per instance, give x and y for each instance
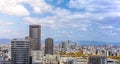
(63, 47)
(97, 60)
(20, 51)
(69, 45)
(35, 35)
(49, 45)
(37, 57)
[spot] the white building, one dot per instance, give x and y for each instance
(37, 57)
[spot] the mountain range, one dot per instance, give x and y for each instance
(81, 42)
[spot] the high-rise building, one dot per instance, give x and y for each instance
(63, 47)
(97, 60)
(49, 45)
(66, 46)
(20, 51)
(69, 45)
(35, 35)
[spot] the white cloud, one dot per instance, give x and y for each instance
(47, 22)
(107, 27)
(105, 7)
(7, 33)
(60, 2)
(109, 30)
(5, 23)
(75, 20)
(40, 6)
(77, 3)
(60, 12)
(16, 7)
(13, 7)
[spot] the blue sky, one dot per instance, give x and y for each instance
(62, 19)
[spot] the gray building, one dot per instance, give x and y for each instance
(65, 46)
(97, 60)
(71, 62)
(49, 45)
(20, 51)
(35, 35)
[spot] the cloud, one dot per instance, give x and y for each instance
(109, 30)
(109, 21)
(7, 33)
(60, 12)
(106, 7)
(16, 7)
(39, 6)
(61, 18)
(65, 21)
(47, 22)
(60, 2)
(13, 7)
(5, 23)
(107, 27)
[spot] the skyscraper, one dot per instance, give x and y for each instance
(49, 45)
(35, 35)
(97, 60)
(20, 51)
(69, 45)
(64, 46)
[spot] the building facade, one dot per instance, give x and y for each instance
(35, 35)
(49, 45)
(20, 51)
(37, 57)
(97, 60)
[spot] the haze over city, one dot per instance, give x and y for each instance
(75, 20)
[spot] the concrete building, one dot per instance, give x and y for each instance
(49, 45)
(52, 59)
(37, 57)
(20, 51)
(5, 62)
(69, 45)
(35, 35)
(63, 47)
(97, 60)
(71, 62)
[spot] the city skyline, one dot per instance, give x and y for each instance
(62, 19)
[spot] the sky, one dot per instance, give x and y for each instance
(97, 20)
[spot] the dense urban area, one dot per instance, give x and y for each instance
(29, 50)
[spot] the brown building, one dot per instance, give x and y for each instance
(35, 35)
(49, 45)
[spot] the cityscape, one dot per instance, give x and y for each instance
(29, 50)
(59, 32)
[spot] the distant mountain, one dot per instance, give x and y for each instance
(97, 43)
(81, 42)
(87, 42)
(5, 41)
(91, 43)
